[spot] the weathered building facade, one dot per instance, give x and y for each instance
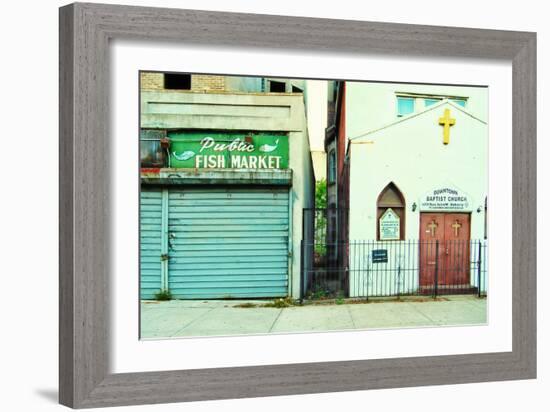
(225, 173)
(413, 183)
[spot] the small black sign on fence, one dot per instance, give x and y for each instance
(380, 256)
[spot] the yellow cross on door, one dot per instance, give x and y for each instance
(446, 121)
(432, 226)
(456, 226)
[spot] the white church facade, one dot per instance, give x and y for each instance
(415, 188)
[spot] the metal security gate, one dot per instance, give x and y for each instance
(228, 242)
(150, 242)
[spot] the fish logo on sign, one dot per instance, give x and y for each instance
(185, 155)
(267, 148)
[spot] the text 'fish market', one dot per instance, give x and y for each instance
(255, 187)
(240, 153)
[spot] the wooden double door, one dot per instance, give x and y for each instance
(444, 249)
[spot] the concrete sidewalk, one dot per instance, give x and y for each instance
(224, 317)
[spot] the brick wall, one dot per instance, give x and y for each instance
(155, 81)
(152, 81)
(207, 82)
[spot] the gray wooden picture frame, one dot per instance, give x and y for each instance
(85, 31)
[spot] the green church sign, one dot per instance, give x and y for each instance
(228, 150)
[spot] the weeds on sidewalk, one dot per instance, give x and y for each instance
(246, 305)
(163, 294)
(281, 303)
(339, 299)
(277, 303)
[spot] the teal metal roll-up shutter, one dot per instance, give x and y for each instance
(150, 242)
(228, 243)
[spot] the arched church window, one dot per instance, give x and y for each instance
(390, 214)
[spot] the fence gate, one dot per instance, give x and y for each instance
(324, 253)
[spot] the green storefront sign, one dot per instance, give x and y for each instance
(199, 150)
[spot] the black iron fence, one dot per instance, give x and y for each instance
(323, 253)
(370, 268)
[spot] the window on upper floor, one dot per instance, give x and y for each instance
(411, 103)
(152, 154)
(405, 106)
(277, 87)
(177, 81)
(429, 102)
(332, 166)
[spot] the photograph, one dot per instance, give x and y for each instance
(273, 205)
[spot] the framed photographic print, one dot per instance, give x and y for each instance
(259, 205)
